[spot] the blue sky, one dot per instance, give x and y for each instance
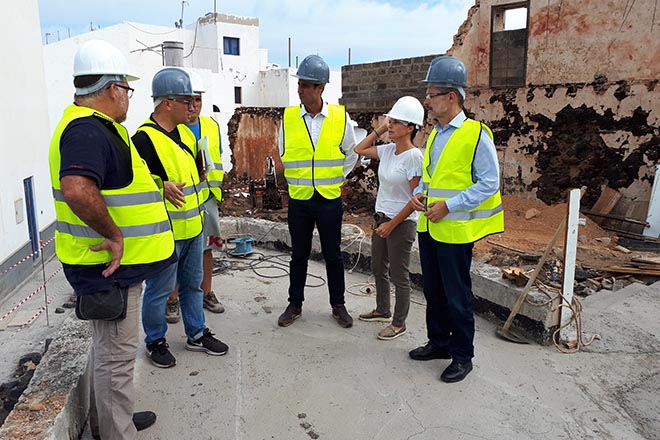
(373, 30)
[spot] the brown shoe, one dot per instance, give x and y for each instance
(340, 313)
(290, 314)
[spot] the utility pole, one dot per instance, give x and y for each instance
(183, 4)
(47, 35)
(349, 56)
(289, 51)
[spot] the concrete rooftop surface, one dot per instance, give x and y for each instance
(317, 380)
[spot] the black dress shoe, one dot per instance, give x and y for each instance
(143, 419)
(456, 371)
(428, 352)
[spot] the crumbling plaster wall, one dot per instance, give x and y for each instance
(252, 133)
(589, 113)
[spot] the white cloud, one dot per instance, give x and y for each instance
(374, 30)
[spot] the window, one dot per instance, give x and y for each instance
(508, 45)
(238, 99)
(231, 46)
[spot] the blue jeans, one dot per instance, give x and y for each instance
(326, 215)
(188, 272)
(448, 293)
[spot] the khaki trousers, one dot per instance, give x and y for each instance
(114, 348)
(390, 260)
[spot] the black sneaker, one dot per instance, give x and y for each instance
(208, 344)
(160, 355)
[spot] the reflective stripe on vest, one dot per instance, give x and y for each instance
(451, 176)
(137, 209)
(317, 167)
(180, 166)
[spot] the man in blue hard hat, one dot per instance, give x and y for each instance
(162, 147)
(460, 203)
(316, 144)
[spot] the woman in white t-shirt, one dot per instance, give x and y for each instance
(395, 220)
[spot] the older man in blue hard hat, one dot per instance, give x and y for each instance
(460, 203)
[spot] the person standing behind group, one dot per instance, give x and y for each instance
(196, 128)
(460, 202)
(393, 233)
(160, 144)
(316, 143)
(112, 230)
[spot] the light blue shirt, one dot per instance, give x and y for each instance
(485, 167)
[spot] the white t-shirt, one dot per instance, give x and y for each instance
(394, 174)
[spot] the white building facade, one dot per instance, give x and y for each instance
(223, 49)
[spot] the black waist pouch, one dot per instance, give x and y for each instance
(106, 305)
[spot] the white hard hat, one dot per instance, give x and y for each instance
(408, 109)
(98, 57)
(197, 82)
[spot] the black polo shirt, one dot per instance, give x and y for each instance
(92, 147)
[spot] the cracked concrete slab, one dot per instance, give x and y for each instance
(317, 380)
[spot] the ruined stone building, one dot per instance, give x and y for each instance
(571, 93)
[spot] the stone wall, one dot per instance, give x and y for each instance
(375, 87)
(588, 114)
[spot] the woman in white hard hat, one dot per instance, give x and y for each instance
(395, 220)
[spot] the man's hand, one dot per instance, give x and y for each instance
(418, 202)
(173, 193)
(385, 229)
(116, 248)
(436, 211)
(85, 200)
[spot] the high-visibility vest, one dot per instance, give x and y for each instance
(452, 175)
(180, 166)
(137, 209)
(209, 128)
(308, 167)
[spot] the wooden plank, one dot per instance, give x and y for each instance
(632, 270)
(568, 333)
(605, 203)
(647, 260)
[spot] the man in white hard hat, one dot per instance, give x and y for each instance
(161, 145)
(206, 130)
(112, 228)
(316, 143)
(460, 203)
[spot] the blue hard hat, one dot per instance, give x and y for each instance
(446, 71)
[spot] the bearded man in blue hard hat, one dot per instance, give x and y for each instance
(161, 144)
(316, 144)
(460, 203)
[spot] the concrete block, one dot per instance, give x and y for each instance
(61, 384)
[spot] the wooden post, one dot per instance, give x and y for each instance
(568, 335)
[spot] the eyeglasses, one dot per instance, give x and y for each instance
(186, 102)
(129, 90)
(433, 95)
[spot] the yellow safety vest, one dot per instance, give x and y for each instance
(452, 175)
(308, 167)
(209, 128)
(137, 209)
(187, 221)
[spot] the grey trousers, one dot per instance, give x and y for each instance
(114, 347)
(390, 260)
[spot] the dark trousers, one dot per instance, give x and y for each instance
(448, 292)
(326, 215)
